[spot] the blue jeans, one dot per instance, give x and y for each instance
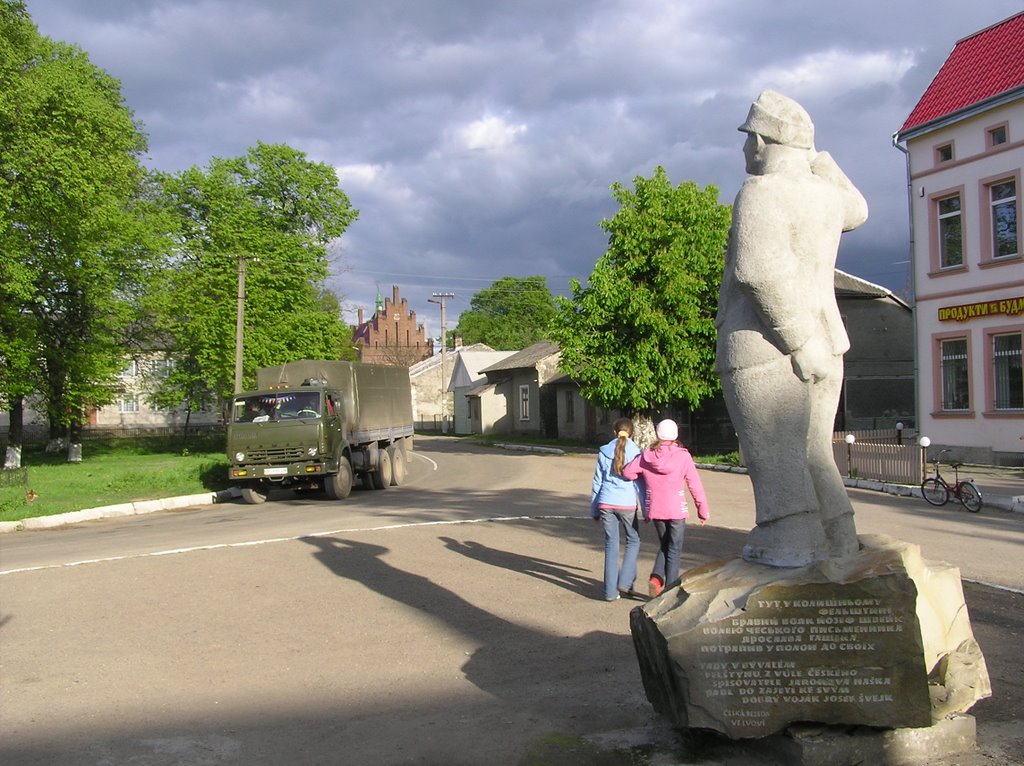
(670, 549)
(616, 578)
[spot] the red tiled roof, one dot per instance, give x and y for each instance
(979, 67)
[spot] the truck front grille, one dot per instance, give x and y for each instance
(276, 455)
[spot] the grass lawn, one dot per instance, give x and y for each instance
(111, 471)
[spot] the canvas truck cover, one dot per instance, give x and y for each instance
(376, 399)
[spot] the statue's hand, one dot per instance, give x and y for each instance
(812, 361)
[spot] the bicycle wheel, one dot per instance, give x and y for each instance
(970, 497)
(934, 491)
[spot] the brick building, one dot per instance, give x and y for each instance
(391, 335)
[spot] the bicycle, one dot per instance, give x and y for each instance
(937, 491)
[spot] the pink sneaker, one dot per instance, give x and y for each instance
(655, 587)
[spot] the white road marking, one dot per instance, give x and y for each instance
(270, 540)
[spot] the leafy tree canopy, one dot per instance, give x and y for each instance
(512, 313)
(70, 174)
(276, 212)
(641, 334)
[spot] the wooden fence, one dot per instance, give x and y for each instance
(877, 455)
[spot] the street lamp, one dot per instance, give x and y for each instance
(850, 439)
(924, 442)
(899, 432)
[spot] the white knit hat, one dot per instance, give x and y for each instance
(667, 431)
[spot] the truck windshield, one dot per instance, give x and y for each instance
(286, 405)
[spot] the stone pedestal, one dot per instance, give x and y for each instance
(879, 639)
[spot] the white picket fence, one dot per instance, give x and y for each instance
(880, 455)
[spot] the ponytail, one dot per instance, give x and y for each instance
(623, 430)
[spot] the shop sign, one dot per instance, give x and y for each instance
(1006, 307)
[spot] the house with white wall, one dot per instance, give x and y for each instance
(473, 412)
(436, 404)
(964, 148)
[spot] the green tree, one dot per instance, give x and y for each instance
(70, 171)
(641, 334)
(272, 212)
(512, 313)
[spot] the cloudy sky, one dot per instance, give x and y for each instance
(479, 138)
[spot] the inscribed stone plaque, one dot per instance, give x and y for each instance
(748, 658)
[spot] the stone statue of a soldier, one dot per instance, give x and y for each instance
(780, 336)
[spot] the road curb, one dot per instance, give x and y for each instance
(137, 508)
(530, 448)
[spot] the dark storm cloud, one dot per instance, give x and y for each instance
(480, 139)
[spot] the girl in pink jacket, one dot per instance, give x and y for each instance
(667, 470)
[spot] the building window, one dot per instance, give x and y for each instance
(128, 404)
(162, 368)
(997, 136)
(944, 153)
(131, 369)
(570, 407)
(951, 243)
(954, 375)
(1007, 374)
(524, 402)
(1003, 198)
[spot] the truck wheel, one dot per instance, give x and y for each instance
(339, 485)
(383, 475)
(397, 466)
(253, 496)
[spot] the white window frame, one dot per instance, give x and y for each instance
(954, 368)
(1011, 204)
(945, 221)
(997, 135)
(128, 404)
(1007, 394)
(162, 367)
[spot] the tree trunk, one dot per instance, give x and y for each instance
(57, 441)
(184, 433)
(75, 442)
(643, 430)
(15, 434)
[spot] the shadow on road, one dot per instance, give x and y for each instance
(553, 572)
(513, 662)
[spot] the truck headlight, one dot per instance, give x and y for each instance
(239, 457)
(311, 451)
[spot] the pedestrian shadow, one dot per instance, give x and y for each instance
(513, 662)
(552, 572)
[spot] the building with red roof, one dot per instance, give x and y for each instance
(964, 148)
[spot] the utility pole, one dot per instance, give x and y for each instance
(239, 323)
(441, 298)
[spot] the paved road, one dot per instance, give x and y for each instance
(455, 620)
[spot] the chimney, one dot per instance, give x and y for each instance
(458, 341)
(359, 316)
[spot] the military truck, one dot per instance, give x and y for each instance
(319, 425)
